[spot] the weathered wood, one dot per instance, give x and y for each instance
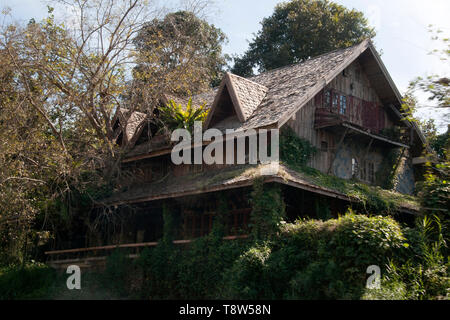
(336, 149)
(131, 245)
(375, 136)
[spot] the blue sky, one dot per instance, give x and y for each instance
(401, 27)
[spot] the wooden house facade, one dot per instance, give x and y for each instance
(344, 103)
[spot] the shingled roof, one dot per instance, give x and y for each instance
(272, 97)
(131, 122)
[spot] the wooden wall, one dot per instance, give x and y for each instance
(352, 83)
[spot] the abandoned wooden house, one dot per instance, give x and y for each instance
(343, 102)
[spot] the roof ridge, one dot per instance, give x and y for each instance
(246, 79)
(309, 60)
(285, 67)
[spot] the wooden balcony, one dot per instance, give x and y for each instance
(351, 126)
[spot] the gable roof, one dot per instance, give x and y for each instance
(245, 95)
(289, 88)
(271, 98)
(129, 123)
(284, 90)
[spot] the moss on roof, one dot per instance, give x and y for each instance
(375, 199)
(372, 197)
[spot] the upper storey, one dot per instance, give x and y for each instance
(271, 99)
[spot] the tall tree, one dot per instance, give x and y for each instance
(180, 53)
(61, 84)
(300, 29)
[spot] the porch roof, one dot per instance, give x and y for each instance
(232, 177)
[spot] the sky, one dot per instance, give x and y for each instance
(401, 27)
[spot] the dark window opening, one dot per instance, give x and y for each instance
(324, 146)
(335, 106)
(343, 108)
(355, 168)
(328, 99)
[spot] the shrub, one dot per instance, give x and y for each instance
(247, 278)
(32, 281)
(317, 260)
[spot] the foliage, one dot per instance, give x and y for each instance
(436, 86)
(247, 277)
(181, 52)
(194, 271)
(175, 116)
(316, 260)
(386, 176)
(441, 144)
(368, 199)
(31, 281)
(267, 210)
(293, 149)
(299, 30)
(425, 274)
(60, 91)
(310, 259)
(434, 191)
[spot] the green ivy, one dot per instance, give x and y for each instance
(295, 150)
(268, 209)
(386, 176)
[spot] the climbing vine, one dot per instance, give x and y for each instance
(268, 209)
(386, 176)
(294, 150)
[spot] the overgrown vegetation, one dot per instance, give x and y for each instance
(387, 174)
(368, 199)
(176, 116)
(267, 210)
(310, 259)
(293, 149)
(295, 152)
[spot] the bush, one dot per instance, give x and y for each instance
(309, 259)
(317, 260)
(32, 281)
(247, 278)
(192, 272)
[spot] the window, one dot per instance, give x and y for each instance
(324, 146)
(355, 168)
(343, 108)
(328, 99)
(335, 102)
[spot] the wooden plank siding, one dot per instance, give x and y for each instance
(364, 108)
